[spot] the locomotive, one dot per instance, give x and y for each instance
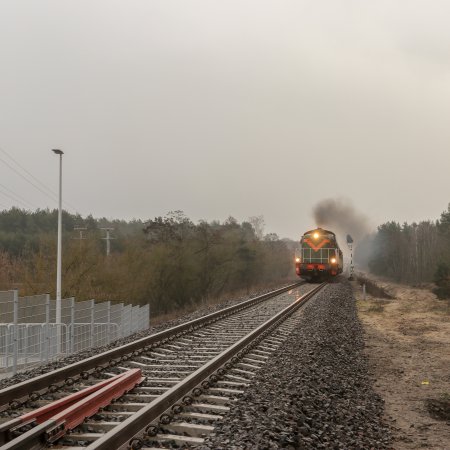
(319, 255)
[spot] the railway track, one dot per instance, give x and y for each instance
(163, 390)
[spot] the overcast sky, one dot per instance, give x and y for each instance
(222, 108)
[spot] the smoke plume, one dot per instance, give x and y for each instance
(339, 216)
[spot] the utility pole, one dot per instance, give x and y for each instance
(80, 235)
(80, 231)
(59, 256)
(108, 238)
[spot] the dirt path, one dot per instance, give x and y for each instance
(408, 344)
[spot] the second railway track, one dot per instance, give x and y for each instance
(170, 387)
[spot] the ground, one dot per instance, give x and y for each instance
(408, 345)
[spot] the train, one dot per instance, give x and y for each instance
(319, 256)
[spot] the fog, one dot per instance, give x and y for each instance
(227, 108)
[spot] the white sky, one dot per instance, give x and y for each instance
(225, 108)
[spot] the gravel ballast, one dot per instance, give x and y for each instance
(316, 392)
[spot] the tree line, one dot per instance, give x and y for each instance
(412, 253)
(168, 262)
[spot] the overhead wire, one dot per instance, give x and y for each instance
(28, 173)
(14, 197)
(50, 194)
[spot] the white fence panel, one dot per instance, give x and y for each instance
(30, 336)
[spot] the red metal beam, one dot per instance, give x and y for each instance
(57, 418)
(48, 411)
(74, 415)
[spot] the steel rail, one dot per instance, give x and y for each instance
(25, 388)
(137, 423)
(58, 418)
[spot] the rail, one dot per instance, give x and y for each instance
(21, 391)
(49, 423)
(142, 419)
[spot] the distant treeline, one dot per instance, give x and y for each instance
(411, 253)
(21, 231)
(169, 262)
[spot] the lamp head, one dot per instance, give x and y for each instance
(57, 151)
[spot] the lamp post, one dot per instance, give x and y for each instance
(59, 257)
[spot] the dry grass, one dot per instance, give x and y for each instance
(375, 308)
(407, 341)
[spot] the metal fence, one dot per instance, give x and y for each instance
(29, 334)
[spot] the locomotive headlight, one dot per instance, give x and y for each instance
(333, 260)
(297, 259)
(316, 235)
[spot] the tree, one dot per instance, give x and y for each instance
(258, 225)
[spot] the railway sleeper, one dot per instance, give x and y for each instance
(200, 416)
(97, 426)
(236, 378)
(162, 380)
(225, 391)
(124, 407)
(173, 346)
(191, 429)
(214, 399)
(83, 437)
(269, 347)
(255, 358)
(156, 389)
(231, 383)
(166, 373)
(265, 349)
(260, 352)
(247, 373)
(202, 407)
(166, 366)
(161, 359)
(138, 398)
(246, 365)
(161, 355)
(122, 415)
(162, 349)
(176, 439)
(209, 348)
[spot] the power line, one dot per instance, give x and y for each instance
(19, 198)
(26, 179)
(26, 171)
(16, 200)
(50, 194)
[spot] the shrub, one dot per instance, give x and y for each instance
(442, 281)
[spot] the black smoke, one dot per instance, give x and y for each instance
(340, 216)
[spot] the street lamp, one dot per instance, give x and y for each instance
(58, 263)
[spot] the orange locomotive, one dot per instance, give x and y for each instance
(319, 255)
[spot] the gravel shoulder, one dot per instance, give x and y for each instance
(408, 345)
(315, 392)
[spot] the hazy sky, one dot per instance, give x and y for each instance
(225, 108)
